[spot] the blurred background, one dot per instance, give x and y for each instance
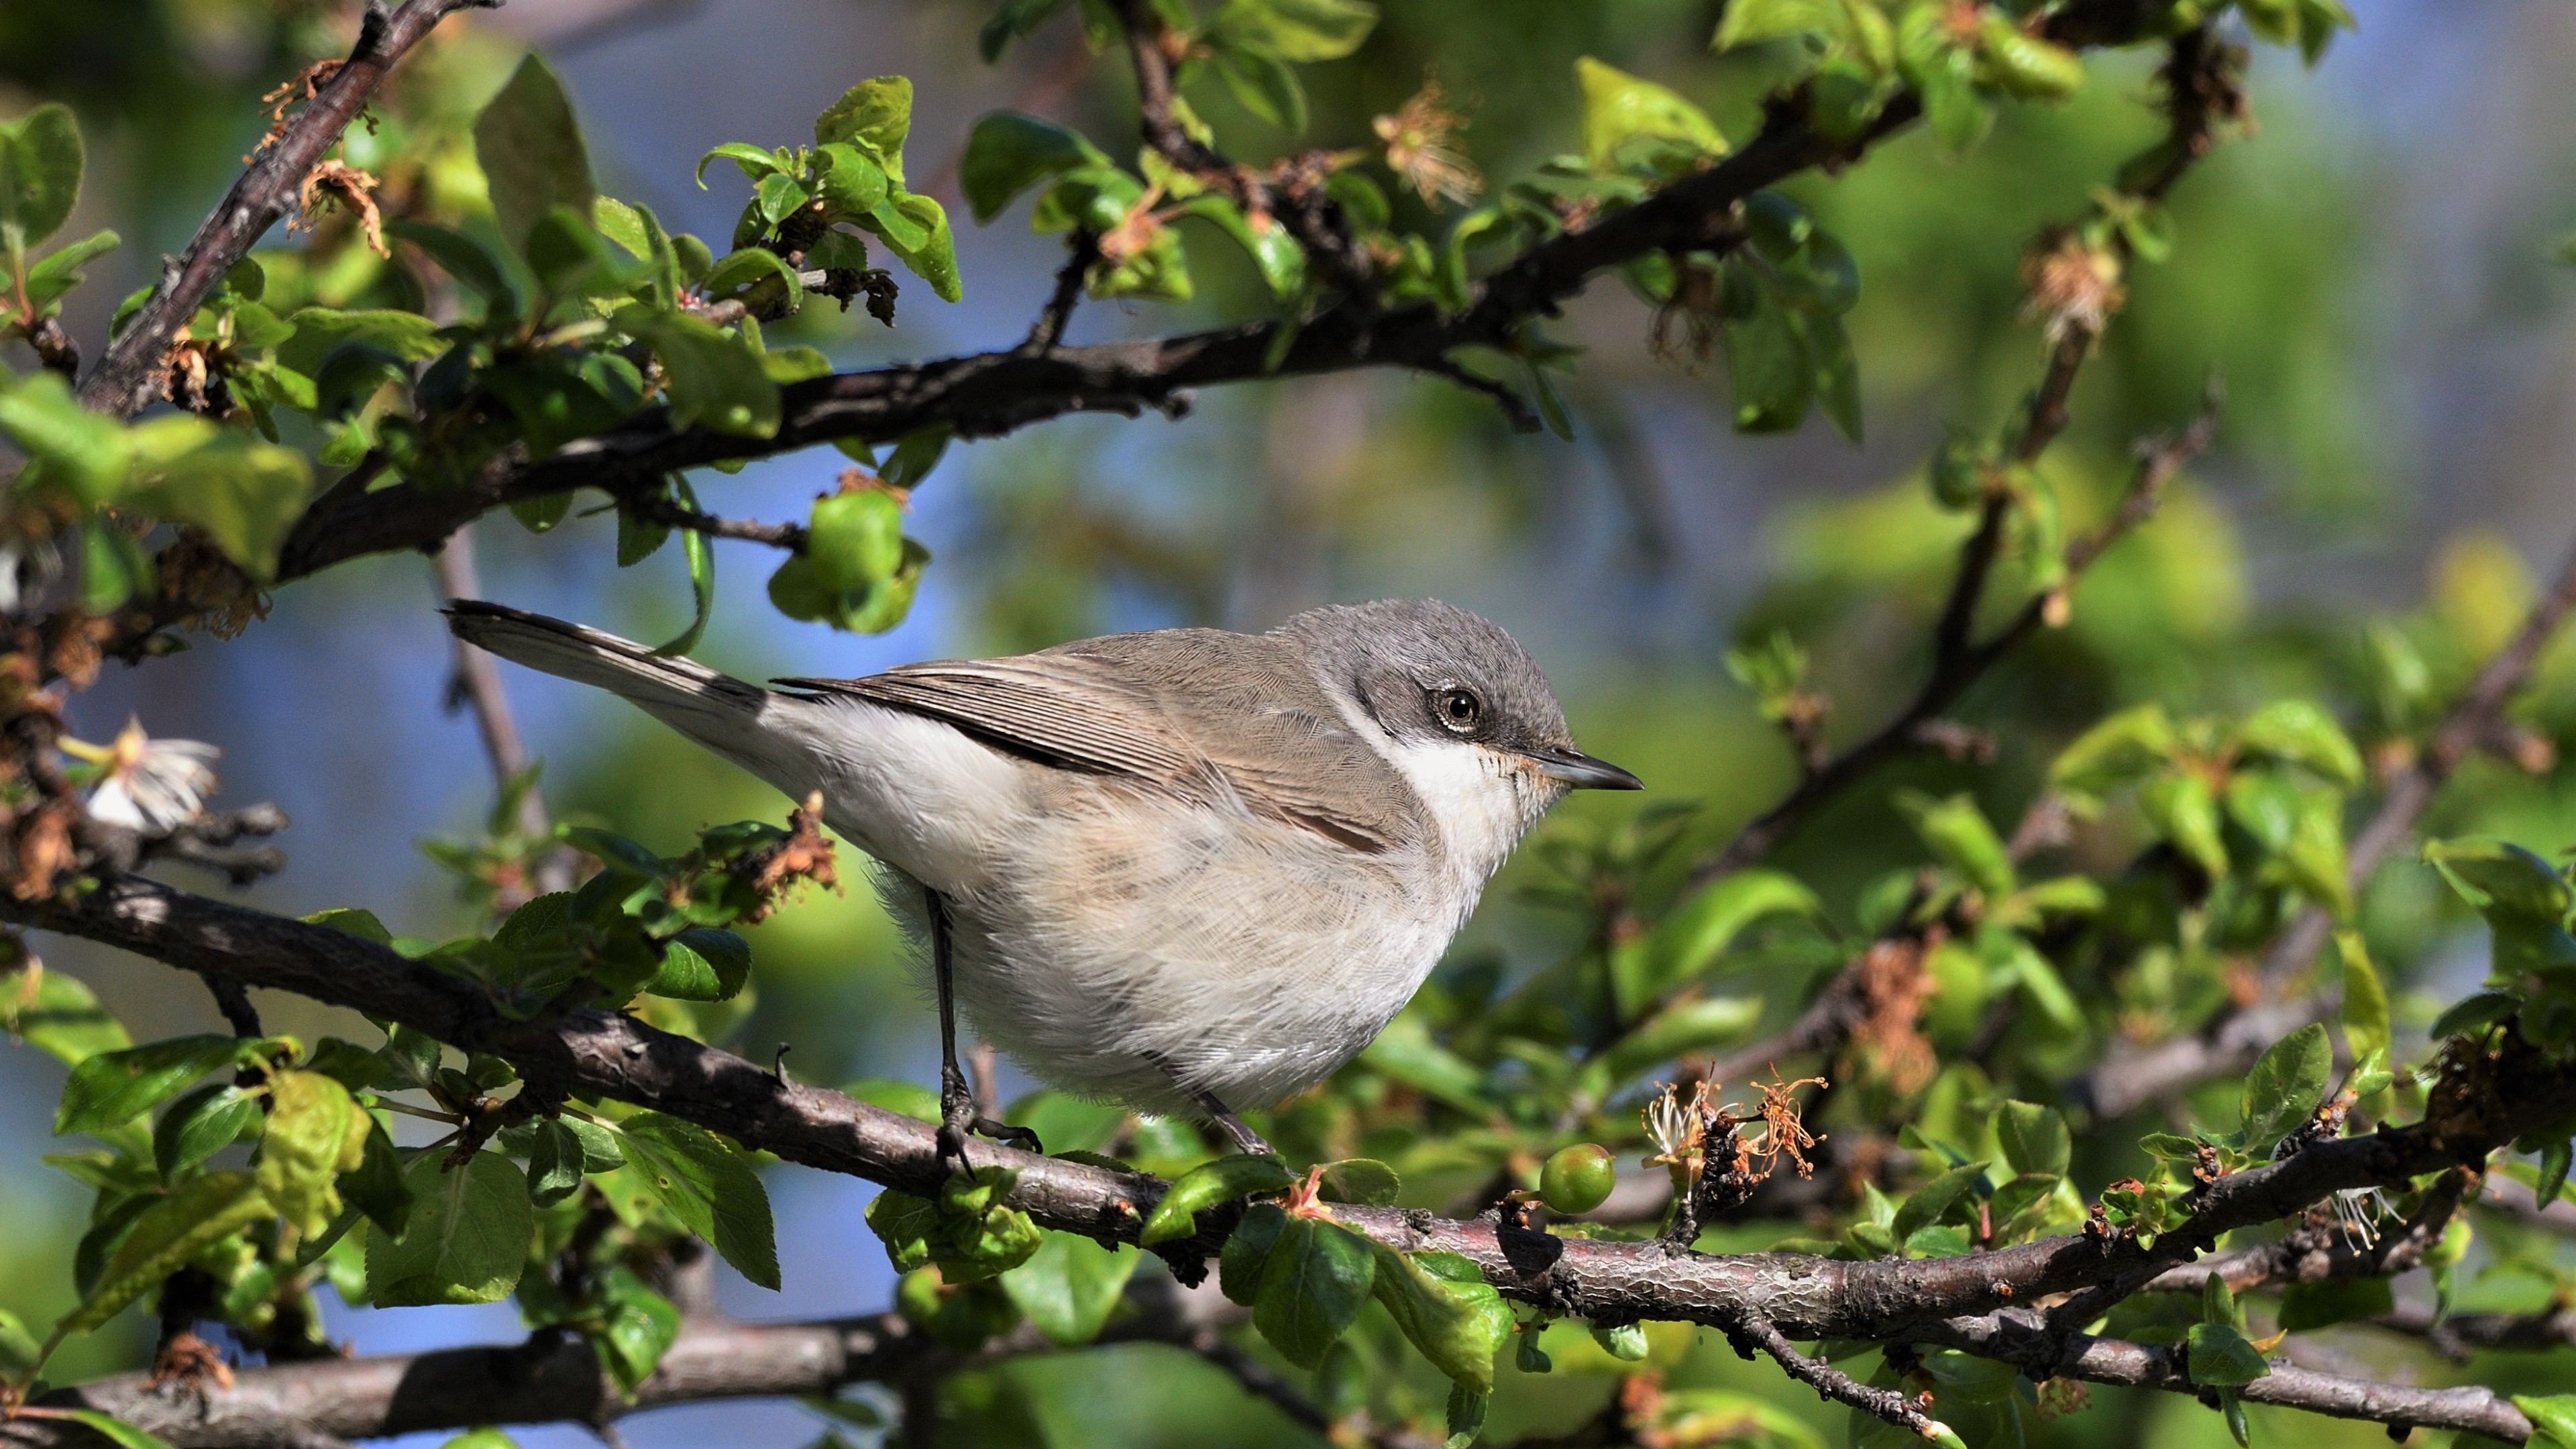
(2370, 272)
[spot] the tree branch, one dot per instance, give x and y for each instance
(265, 191)
(608, 1055)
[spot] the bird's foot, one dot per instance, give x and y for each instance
(1245, 1140)
(958, 1120)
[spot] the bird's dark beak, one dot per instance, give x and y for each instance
(1581, 771)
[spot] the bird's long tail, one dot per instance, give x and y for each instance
(718, 711)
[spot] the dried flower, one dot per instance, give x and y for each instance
(1418, 148)
(354, 190)
(148, 784)
(2359, 1211)
(2074, 287)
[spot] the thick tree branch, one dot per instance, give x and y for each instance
(603, 1054)
(265, 191)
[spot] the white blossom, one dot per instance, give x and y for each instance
(152, 785)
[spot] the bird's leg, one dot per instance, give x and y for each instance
(1219, 1115)
(957, 1114)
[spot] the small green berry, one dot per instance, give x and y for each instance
(1578, 1179)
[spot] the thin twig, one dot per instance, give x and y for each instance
(658, 507)
(1047, 333)
(1833, 1384)
(265, 191)
(474, 681)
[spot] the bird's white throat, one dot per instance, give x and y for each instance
(1483, 801)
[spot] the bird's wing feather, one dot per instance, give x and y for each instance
(1193, 713)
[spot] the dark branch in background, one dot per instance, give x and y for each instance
(1047, 333)
(265, 192)
(2017, 1337)
(475, 682)
(555, 1377)
(2122, 1085)
(2459, 1335)
(661, 508)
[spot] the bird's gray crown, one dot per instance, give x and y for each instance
(1425, 670)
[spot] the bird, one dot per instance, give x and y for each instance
(1184, 870)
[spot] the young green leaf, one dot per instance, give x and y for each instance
(874, 113)
(40, 176)
(1956, 831)
(316, 1131)
(2553, 1415)
(556, 1162)
(1933, 1200)
(1458, 1326)
(1627, 118)
(116, 1087)
(2220, 1357)
(2119, 751)
(58, 1015)
(115, 1430)
(1360, 1180)
(2287, 1083)
(709, 1185)
(1689, 940)
(465, 1239)
(246, 494)
(1009, 152)
(1314, 1282)
(1247, 1249)
(2034, 1137)
(2297, 732)
(1295, 30)
(1750, 22)
(712, 377)
(530, 145)
(702, 964)
(201, 1124)
(1069, 1285)
(1207, 1185)
(2182, 808)
(194, 1216)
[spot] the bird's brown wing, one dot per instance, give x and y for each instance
(1193, 713)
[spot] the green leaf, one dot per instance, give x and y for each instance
(1687, 1026)
(702, 964)
(2365, 1002)
(556, 1162)
(1247, 1250)
(968, 1232)
(40, 176)
(1313, 1284)
(1207, 1185)
(1275, 253)
(1751, 22)
(1296, 30)
(713, 378)
(1934, 1199)
(875, 113)
(854, 539)
(701, 554)
(196, 1215)
(115, 1430)
(2121, 750)
(922, 241)
(1459, 1327)
(20, 1354)
(755, 163)
(316, 1131)
(1361, 1180)
(1069, 1285)
(2297, 732)
(1406, 1052)
(1768, 370)
(1689, 940)
(2306, 1306)
(2553, 1415)
(465, 1240)
(379, 1188)
(1955, 830)
(86, 451)
(201, 1124)
(2183, 809)
(1265, 85)
(2555, 1159)
(1009, 152)
(458, 255)
(1465, 1418)
(113, 1088)
(638, 540)
(2034, 1138)
(58, 1015)
(246, 494)
(531, 148)
(2220, 1357)
(2504, 881)
(2023, 64)
(60, 271)
(1620, 110)
(641, 1326)
(2475, 1014)
(2286, 1085)
(709, 1185)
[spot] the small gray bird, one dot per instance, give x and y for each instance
(1178, 869)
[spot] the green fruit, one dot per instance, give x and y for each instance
(1578, 1179)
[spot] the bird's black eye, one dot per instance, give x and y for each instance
(1458, 709)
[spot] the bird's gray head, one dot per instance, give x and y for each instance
(1430, 674)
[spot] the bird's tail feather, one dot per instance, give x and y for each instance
(716, 710)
